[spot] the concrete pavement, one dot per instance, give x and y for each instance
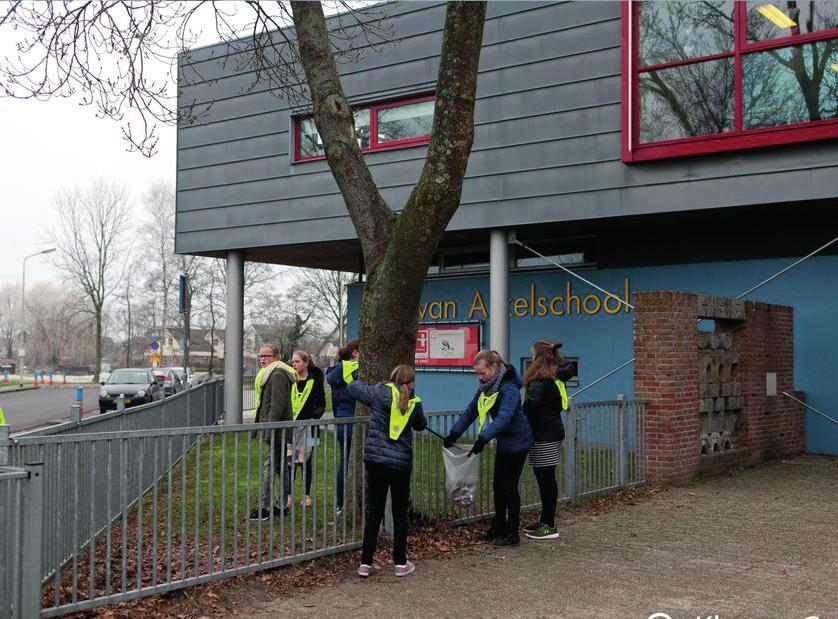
(762, 543)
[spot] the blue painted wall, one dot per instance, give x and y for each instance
(603, 341)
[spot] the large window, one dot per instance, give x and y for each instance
(720, 75)
(377, 126)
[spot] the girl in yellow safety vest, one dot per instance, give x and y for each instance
(308, 401)
(388, 459)
(546, 398)
(343, 405)
(497, 409)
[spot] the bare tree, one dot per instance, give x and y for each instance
(397, 246)
(9, 318)
(159, 235)
(325, 292)
(89, 235)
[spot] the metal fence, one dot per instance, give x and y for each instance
(603, 452)
(70, 494)
(132, 513)
(198, 406)
(20, 496)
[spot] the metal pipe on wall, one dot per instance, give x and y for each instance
(499, 292)
(234, 338)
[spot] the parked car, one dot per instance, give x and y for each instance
(187, 378)
(136, 385)
(168, 380)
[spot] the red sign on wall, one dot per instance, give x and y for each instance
(447, 345)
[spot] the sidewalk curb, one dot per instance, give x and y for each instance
(16, 389)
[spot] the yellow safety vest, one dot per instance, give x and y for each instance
(258, 382)
(399, 419)
(349, 366)
(484, 405)
(298, 400)
(563, 392)
(2, 418)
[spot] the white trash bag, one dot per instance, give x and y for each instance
(461, 472)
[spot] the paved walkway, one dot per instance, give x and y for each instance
(761, 543)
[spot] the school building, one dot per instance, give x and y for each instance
(661, 146)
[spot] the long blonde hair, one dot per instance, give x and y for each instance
(401, 377)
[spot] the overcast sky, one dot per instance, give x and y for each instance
(54, 144)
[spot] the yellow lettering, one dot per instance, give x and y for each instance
(532, 298)
(435, 311)
(627, 297)
(556, 306)
(422, 310)
(542, 307)
(452, 314)
(595, 299)
(570, 297)
(616, 303)
(477, 305)
(520, 306)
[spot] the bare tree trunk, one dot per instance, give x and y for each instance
(397, 248)
(128, 347)
(97, 317)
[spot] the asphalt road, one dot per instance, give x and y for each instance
(29, 409)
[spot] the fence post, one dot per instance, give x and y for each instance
(570, 452)
(75, 413)
(622, 443)
(4, 445)
(30, 566)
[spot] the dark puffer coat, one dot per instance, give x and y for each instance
(543, 406)
(509, 424)
(379, 448)
(343, 404)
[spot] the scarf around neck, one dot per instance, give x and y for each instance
(494, 385)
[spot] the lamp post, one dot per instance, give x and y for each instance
(23, 306)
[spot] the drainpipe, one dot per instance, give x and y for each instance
(234, 338)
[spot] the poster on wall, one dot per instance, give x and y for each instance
(447, 345)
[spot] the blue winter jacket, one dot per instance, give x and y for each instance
(343, 404)
(379, 448)
(508, 424)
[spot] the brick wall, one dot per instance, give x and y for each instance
(666, 374)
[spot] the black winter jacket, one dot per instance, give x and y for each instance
(379, 448)
(543, 406)
(343, 404)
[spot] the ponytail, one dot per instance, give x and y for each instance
(401, 377)
(345, 353)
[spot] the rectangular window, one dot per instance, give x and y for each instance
(378, 126)
(718, 75)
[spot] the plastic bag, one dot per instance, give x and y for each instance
(461, 472)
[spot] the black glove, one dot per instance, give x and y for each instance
(449, 441)
(479, 444)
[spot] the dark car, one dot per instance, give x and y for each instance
(168, 379)
(137, 385)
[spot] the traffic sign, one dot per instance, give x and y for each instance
(155, 345)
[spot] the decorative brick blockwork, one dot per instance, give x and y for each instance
(707, 391)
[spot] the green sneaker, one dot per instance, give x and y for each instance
(545, 531)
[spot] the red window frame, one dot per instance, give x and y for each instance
(633, 150)
(375, 145)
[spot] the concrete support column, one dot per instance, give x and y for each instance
(234, 338)
(499, 292)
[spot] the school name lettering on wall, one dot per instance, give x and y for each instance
(534, 304)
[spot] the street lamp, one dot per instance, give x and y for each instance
(23, 306)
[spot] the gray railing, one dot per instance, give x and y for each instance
(199, 406)
(20, 497)
(603, 452)
(82, 479)
(132, 513)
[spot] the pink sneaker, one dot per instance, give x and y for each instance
(364, 570)
(404, 570)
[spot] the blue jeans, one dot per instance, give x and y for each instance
(344, 434)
